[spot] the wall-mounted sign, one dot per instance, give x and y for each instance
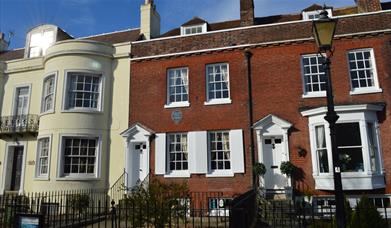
(31, 162)
(176, 116)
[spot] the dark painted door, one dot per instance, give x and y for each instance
(16, 168)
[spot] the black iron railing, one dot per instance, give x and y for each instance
(19, 124)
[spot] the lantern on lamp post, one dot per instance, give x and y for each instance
(323, 31)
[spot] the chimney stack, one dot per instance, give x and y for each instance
(3, 43)
(150, 20)
(246, 12)
(368, 5)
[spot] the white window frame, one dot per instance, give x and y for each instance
(307, 14)
(61, 160)
(219, 172)
(65, 106)
(202, 26)
(177, 173)
(375, 88)
(38, 175)
(47, 76)
(177, 104)
(39, 30)
(14, 97)
(307, 94)
(216, 101)
(361, 114)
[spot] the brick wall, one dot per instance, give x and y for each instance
(277, 89)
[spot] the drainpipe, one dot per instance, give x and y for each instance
(248, 55)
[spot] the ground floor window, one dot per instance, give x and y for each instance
(43, 157)
(80, 156)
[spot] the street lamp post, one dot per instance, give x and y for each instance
(323, 31)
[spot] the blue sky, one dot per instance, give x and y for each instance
(88, 17)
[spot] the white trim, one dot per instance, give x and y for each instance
(60, 160)
(251, 45)
(100, 105)
(38, 153)
(177, 174)
(203, 29)
(343, 108)
(375, 88)
(176, 104)
(5, 166)
(216, 101)
(258, 26)
(314, 94)
(14, 98)
(54, 74)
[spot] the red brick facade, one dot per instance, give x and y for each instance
(277, 88)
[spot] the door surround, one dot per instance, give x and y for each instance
(272, 126)
(137, 133)
(7, 167)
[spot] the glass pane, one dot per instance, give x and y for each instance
(348, 134)
(323, 161)
(351, 159)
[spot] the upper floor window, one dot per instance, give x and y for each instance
(21, 104)
(84, 91)
(217, 76)
(177, 151)
(43, 157)
(177, 87)
(193, 29)
(48, 94)
(314, 77)
(40, 41)
(363, 73)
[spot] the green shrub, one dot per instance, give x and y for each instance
(79, 203)
(366, 215)
(259, 169)
(287, 168)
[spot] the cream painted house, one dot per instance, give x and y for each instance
(64, 103)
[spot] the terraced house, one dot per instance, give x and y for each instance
(218, 97)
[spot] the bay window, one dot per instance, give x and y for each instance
(357, 145)
(84, 91)
(48, 94)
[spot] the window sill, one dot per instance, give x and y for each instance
(183, 174)
(74, 178)
(314, 95)
(41, 178)
(221, 173)
(80, 110)
(351, 181)
(46, 113)
(177, 105)
(218, 101)
(365, 91)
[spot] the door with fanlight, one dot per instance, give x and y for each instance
(273, 156)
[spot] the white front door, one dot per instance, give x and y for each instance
(273, 156)
(137, 172)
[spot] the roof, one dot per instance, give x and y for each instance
(263, 20)
(195, 21)
(112, 38)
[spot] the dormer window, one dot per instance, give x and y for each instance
(193, 29)
(315, 14)
(194, 26)
(39, 40)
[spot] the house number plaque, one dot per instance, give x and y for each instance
(176, 116)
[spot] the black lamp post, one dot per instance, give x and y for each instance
(323, 31)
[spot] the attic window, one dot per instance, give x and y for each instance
(193, 29)
(39, 39)
(314, 15)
